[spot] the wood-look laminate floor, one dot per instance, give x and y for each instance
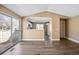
(62, 47)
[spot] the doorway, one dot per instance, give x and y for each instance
(46, 31)
(63, 28)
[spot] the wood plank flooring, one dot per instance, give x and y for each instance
(62, 47)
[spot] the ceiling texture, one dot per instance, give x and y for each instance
(29, 9)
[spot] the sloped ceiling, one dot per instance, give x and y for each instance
(29, 9)
(26, 9)
(65, 9)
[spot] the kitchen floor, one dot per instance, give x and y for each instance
(62, 47)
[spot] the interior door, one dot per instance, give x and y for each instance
(62, 28)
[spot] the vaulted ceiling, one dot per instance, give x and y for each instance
(29, 9)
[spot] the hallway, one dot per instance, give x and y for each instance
(62, 47)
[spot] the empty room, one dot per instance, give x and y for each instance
(39, 29)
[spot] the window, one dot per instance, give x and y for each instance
(5, 28)
(8, 25)
(39, 26)
(9, 31)
(15, 24)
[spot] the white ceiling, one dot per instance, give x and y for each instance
(28, 9)
(65, 9)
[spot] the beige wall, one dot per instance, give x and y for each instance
(34, 34)
(55, 24)
(73, 28)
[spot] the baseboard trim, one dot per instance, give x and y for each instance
(73, 40)
(33, 39)
(55, 39)
(38, 39)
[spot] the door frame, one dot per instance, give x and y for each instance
(66, 27)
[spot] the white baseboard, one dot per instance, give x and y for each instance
(33, 39)
(55, 39)
(73, 40)
(39, 39)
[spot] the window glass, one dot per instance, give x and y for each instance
(39, 26)
(5, 28)
(15, 24)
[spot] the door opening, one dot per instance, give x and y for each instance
(63, 28)
(46, 32)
